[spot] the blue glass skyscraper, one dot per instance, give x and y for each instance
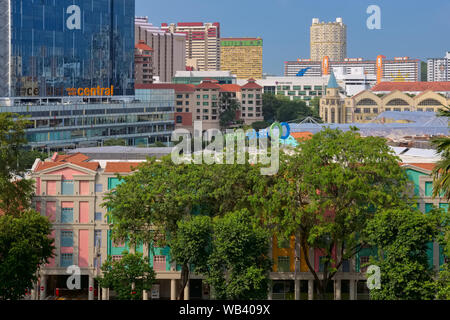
(47, 46)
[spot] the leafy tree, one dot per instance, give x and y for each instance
(191, 246)
(114, 142)
(315, 107)
(443, 283)
(260, 125)
(128, 277)
(24, 241)
(327, 191)
(402, 235)
(150, 203)
(28, 157)
(441, 172)
(283, 109)
(15, 191)
(270, 106)
(239, 266)
(158, 144)
(24, 245)
(228, 108)
(423, 71)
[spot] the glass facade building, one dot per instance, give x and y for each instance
(52, 45)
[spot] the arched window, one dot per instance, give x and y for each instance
(430, 102)
(397, 102)
(366, 102)
(333, 115)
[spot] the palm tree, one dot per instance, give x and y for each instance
(441, 172)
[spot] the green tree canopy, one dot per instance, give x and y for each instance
(15, 191)
(282, 109)
(402, 235)
(150, 203)
(24, 245)
(191, 246)
(327, 191)
(239, 265)
(128, 277)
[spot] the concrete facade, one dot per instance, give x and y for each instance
(328, 39)
(169, 55)
(202, 43)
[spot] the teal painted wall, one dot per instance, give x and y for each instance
(414, 177)
(366, 252)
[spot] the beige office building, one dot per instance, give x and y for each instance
(328, 39)
(202, 44)
(242, 56)
(168, 48)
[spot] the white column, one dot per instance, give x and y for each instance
(43, 287)
(337, 289)
(269, 296)
(173, 289)
(145, 295)
(352, 290)
(310, 289)
(104, 294)
(186, 291)
(297, 289)
(91, 288)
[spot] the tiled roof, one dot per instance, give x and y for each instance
(426, 166)
(178, 87)
(207, 85)
(77, 157)
(143, 46)
(230, 88)
(302, 135)
(87, 165)
(412, 86)
(251, 84)
(120, 167)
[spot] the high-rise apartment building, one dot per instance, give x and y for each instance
(202, 43)
(168, 48)
(49, 46)
(242, 56)
(328, 39)
(438, 69)
(143, 63)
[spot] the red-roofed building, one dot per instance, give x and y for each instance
(412, 87)
(252, 102)
(70, 191)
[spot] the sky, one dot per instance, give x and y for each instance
(415, 28)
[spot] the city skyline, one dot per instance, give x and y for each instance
(287, 36)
